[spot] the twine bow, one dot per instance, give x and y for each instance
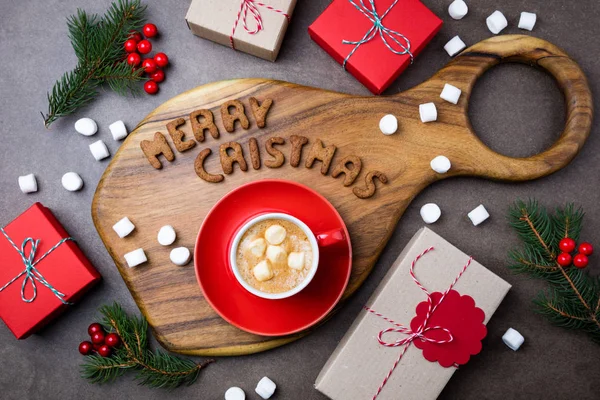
(423, 328)
(251, 6)
(378, 28)
(31, 273)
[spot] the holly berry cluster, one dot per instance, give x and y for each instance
(101, 342)
(580, 260)
(135, 46)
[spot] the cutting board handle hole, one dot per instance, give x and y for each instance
(514, 103)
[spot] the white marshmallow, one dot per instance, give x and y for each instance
(265, 388)
(296, 260)
(72, 181)
(262, 271)
(388, 124)
(478, 215)
(513, 339)
(257, 247)
(276, 254)
(430, 213)
(124, 227)
(99, 150)
(450, 93)
(527, 20)
(118, 130)
(86, 126)
(458, 9)
(428, 112)
(235, 393)
(496, 22)
(454, 46)
(28, 183)
(135, 258)
(180, 256)
(440, 164)
(275, 234)
(166, 235)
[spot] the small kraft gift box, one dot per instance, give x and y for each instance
(375, 40)
(42, 271)
(426, 318)
(254, 27)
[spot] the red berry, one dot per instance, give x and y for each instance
(135, 36)
(566, 245)
(134, 59)
(112, 340)
(104, 351)
(130, 45)
(144, 46)
(161, 59)
(85, 348)
(95, 328)
(98, 338)
(149, 66)
(151, 87)
(586, 249)
(564, 259)
(580, 261)
(97, 346)
(158, 76)
(150, 30)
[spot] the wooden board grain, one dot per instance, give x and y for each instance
(170, 297)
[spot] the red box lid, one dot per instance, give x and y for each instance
(66, 269)
(373, 64)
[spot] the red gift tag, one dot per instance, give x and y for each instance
(459, 316)
(373, 63)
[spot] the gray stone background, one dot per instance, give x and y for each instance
(515, 109)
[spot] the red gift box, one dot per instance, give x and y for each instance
(59, 278)
(408, 25)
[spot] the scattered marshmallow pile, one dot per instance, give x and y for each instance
(265, 389)
(496, 23)
(166, 237)
(71, 181)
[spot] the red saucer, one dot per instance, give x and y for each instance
(245, 310)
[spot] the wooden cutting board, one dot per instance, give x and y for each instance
(169, 296)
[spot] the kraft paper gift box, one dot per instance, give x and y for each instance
(259, 26)
(359, 365)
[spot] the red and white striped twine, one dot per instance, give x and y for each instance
(252, 7)
(419, 333)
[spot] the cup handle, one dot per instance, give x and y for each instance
(331, 237)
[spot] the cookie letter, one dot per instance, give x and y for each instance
(228, 160)
(369, 189)
(153, 148)
(208, 123)
(254, 153)
(296, 154)
(349, 174)
(260, 110)
(238, 115)
(201, 172)
(277, 154)
(178, 136)
(321, 153)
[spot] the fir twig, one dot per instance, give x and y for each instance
(98, 45)
(573, 300)
(156, 369)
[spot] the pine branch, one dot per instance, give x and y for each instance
(573, 300)
(156, 369)
(98, 44)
